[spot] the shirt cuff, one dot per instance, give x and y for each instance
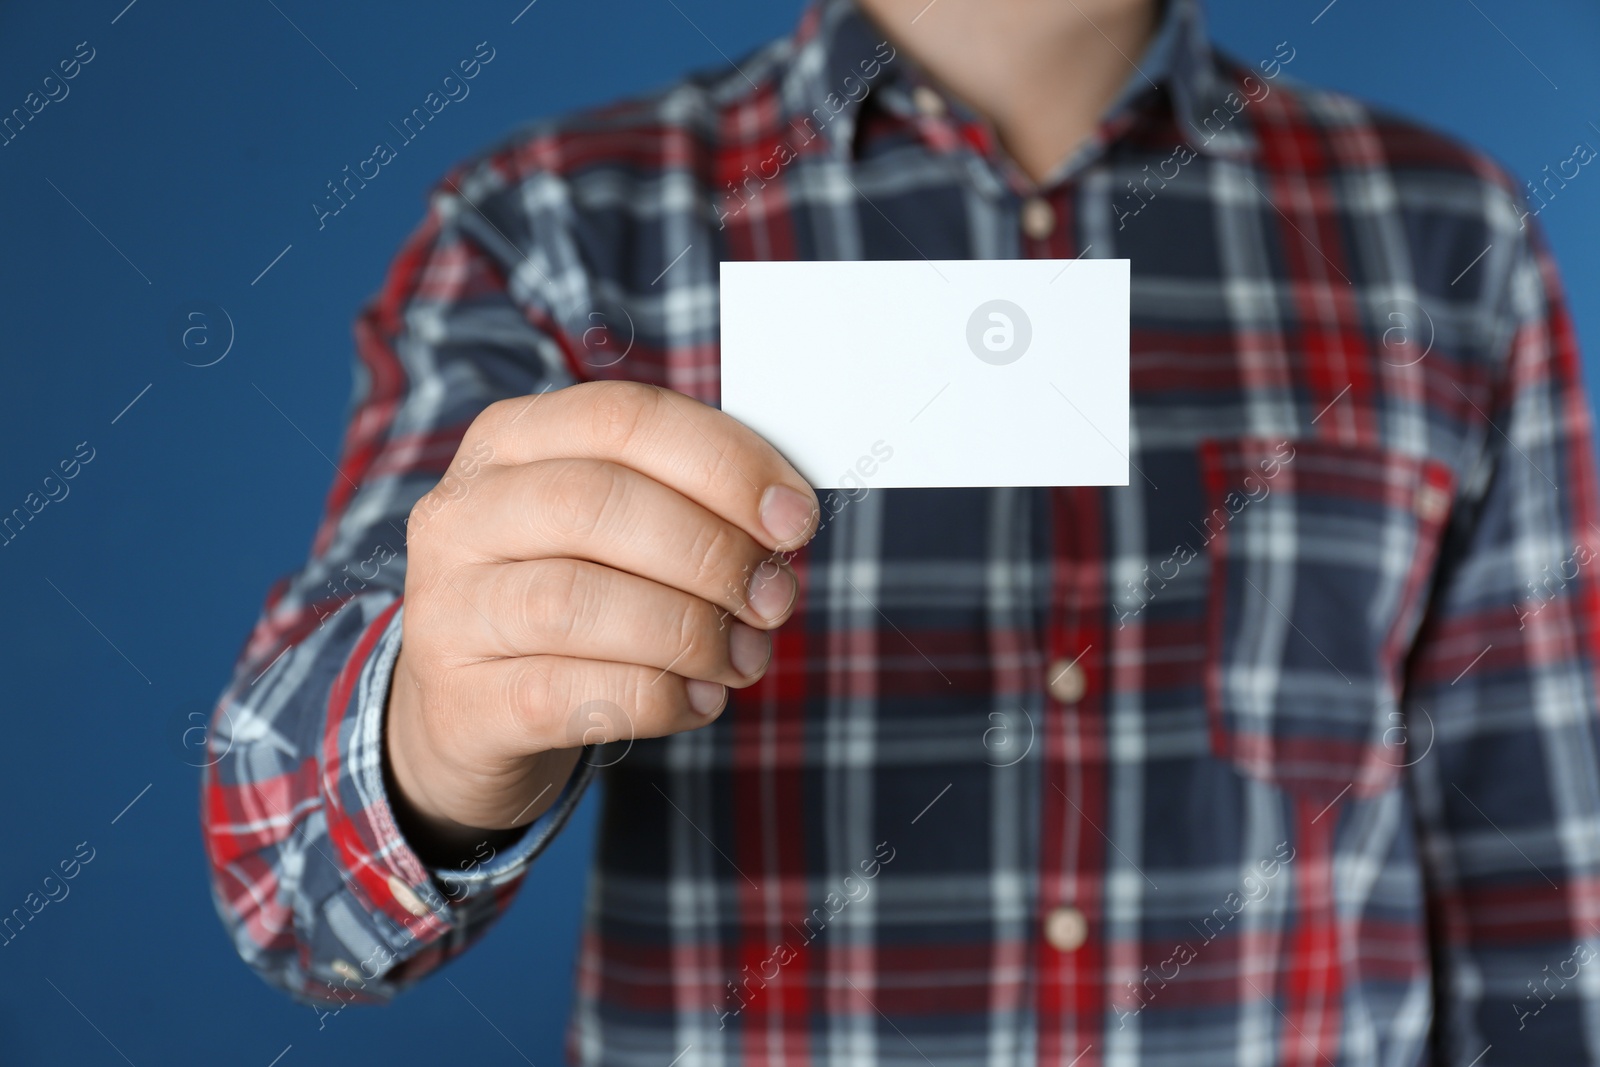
(409, 906)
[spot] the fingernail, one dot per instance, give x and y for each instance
(772, 590)
(749, 649)
(706, 697)
(786, 513)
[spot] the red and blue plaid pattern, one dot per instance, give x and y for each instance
(1320, 784)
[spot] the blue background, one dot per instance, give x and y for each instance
(195, 141)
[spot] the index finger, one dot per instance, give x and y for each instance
(709, 457)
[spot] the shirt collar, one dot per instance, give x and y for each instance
(839, 56)
(1200, 83)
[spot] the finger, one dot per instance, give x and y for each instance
(705, 455)
(534, 703)
(612, 515)
(568, 607)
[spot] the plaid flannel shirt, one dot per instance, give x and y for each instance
(1283, 753)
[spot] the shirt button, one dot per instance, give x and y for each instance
(1066, 681)
(407, 899)
(1431, 502)
(928, 102)
(346, 970)
(1066, 929)
(1038, 218)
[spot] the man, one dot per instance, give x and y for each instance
(1283, 753)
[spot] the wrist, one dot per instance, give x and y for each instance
(430, 826)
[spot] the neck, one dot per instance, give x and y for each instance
(1042, 71)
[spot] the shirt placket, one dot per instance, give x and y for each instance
(1074, 791)
(1066, 932)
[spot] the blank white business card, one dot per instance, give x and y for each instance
(919, 373)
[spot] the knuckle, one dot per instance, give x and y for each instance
(527, 696)
(618, 412)
(432, 519)
(420, 662)
(486, 425)
(714, 555)
(642, 692)
(434, 627)
(420, 520)
(723, 466)
(739, 458)
(550, 600)
(417, 628)
(689, 640)
(574, 496)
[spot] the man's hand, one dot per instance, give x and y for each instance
(621, 547)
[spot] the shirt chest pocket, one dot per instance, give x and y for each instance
(1321, 560)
